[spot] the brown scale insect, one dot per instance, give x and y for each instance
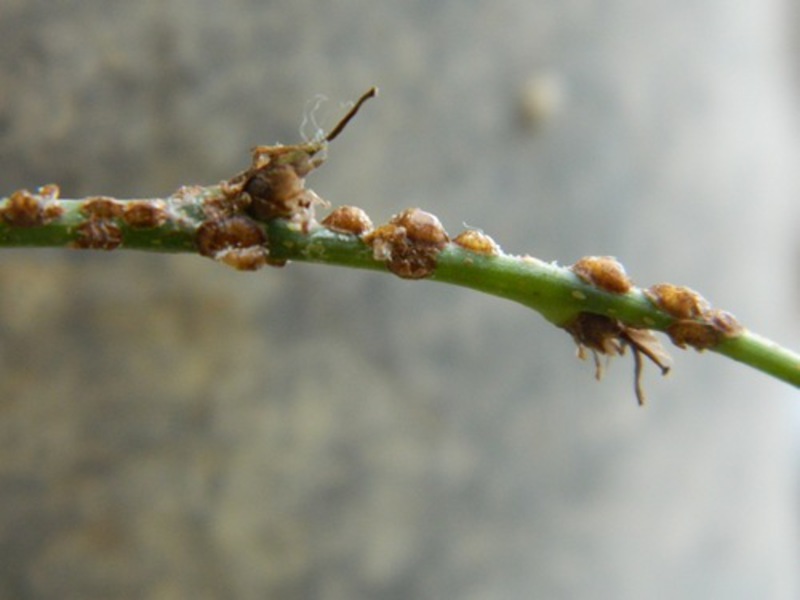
(384, 239)
(700, 336)
(102, 208)
(410, 243)
(716, 327)
(214, 236)
(678, 301)
(97, 235)
(237, 241)
(348, 219)
(24, 209)
(421, 227)
(145, 214)
(477, 242)
(603, 272)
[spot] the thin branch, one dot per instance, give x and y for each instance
(265, 216)
(177, 224)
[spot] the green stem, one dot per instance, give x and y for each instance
(554, 291)
(763, 354)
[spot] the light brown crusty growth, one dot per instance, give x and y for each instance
(715, 327)
(348, 219)
(98, 234)
(696, 324)
(24, 209)
(478, 242)
(409, 243)
(237, 241)
(145, 214)
(680, 302)
(603, 272)
(102, 208)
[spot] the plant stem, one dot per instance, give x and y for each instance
(173, 224)
(553, 291)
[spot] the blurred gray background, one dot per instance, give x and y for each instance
(170, 428)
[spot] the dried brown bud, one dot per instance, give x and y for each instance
(603, 335)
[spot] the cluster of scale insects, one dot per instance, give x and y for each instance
(229, 226)
(695, 323)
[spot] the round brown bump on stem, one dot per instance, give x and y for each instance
(477, 242)
(102, 207)
(410, 262)
(145, 214)
(348, 219)
(97, 235)
(421, 227)
(215, 236)
(410, 243)
(698, 335)
(678, 301)
(603, 272)
(24, 209)
(383, 239)
(716, 327)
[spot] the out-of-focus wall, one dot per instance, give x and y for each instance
(170, 428)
